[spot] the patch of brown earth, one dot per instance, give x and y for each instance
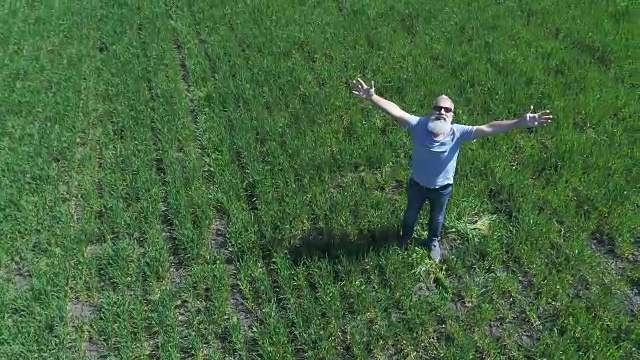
(21, 277)
(81, 311)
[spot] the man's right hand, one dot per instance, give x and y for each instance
(361, 89)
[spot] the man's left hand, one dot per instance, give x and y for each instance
(532, 119)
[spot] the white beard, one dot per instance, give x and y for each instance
(438, 127)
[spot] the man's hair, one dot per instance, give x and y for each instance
(444, 97)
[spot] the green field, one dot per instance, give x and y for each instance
(192, 180)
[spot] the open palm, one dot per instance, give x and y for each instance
(361, 89)
(532, 119)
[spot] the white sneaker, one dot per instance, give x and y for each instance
(434, 250)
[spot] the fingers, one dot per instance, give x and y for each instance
(545, 115)
(356, 87)
(544, 120)
(358, 83)
(359, 88)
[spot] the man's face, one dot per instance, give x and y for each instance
(442, 109)
(441, 116)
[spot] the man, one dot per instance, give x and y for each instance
(436, 142)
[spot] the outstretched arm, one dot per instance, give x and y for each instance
(361, 89)
(528, 120)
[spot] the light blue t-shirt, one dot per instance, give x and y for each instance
(433, 162)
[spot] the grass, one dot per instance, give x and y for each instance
(195, 180)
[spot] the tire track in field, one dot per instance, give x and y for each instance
(603, 242)
(185, 76)
(238, 155)
(218, 238)
(237, 304)
(167, 222)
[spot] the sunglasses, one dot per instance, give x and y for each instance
(446, 109)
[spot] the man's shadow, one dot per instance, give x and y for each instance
(330, 244)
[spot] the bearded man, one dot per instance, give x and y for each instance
(436, 141)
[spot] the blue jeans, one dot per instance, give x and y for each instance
(417, 195)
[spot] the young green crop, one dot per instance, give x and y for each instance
(189, 179)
